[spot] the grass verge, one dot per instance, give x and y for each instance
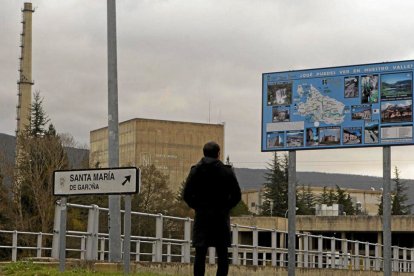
(33, 269)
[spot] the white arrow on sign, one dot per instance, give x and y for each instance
(97, 181)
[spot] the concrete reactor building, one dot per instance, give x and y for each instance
(173, 147)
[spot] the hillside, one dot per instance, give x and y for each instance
(7, 154)
(254, 179)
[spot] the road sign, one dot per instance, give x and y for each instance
(97, 181)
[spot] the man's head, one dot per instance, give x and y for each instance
(211, 149)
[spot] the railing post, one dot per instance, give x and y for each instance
(396, 259)
(212, 255)
(169, 252)
(187, 244)
(137, 251)
(299, 252)
(39, 245)
(274, 247)
(377, 260)
(255, 246)
(56, 226)
(320, 252)
(83, 248)
(14, 246)
(235, 253)
(92, 238)
(283, 252)
(356, 261)
(345, 262)
(158, 236)
(306, 250)
(411, 260)
(333, 252)
(405, 260)
(366, 259)
(102, 255)
(154, 252)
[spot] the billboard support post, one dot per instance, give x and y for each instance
(291, 213)
(386, 210)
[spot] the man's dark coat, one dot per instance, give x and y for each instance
(211, 190)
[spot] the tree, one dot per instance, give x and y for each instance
(344, 198)
(324, 197)
(276, 187)
(327, 197)
(38, 119)
(399, 203)
(155, 196)
(305, 201)
(4, 203)
(240, 209)
(181, 208)
(399, 197)
(40, 152)
(381, 206)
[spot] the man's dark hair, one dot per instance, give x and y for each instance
(211, 149)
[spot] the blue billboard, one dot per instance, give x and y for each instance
(338, 107)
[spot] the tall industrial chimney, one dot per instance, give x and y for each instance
(23, 107)
(25, 81)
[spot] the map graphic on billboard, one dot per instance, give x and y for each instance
(338, 107)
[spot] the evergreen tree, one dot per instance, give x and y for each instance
(399, 203)
(305, 201)
(276, 187)
(343, 198)
(332, 199)
(380, 206)
(324, 197)
(399, 197)
(38, 118)
(327, 197)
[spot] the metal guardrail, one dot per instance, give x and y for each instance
(162, 245)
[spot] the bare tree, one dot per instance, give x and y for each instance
(43, 155)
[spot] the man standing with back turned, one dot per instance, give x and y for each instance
(211, 190)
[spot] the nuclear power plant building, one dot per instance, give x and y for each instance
(173, 147)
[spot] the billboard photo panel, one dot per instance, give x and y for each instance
(338, 107)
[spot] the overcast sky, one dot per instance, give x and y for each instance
(176, 57)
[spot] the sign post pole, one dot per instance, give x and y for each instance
(291, 213)
(386, 210)
(62, 234)
(127, 232)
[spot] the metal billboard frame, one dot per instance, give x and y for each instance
(334, 78)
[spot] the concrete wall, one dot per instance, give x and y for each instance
(186, 270)
(330, 224)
